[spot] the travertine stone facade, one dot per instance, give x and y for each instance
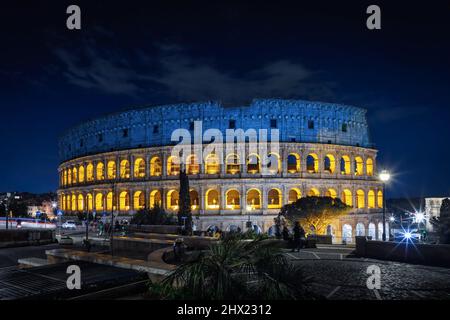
(324, 149)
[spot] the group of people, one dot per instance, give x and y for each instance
(298, 237)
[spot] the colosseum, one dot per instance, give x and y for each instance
(123, 162)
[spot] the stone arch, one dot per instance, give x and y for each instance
(273, 163)
(212, 199)
(80, 202)
(371, 199)
(69, 176)
(347, 197)
(293, 163)
(360, 229)
(155, 199)
(347, 234)
(100, 171)
(139, 200)
(329, 163)
(74, 202)
(99, 202)
(173, 198)
(369, 166)
(110, 201)
(155, 166)
(192, 164)
(139, 168)
(380, 199)
(294, 194)
(312, 163)
(372, 232)
(253, 164)
(233, 199)
(81, 174)
(274, 198)
(89, 202)
(212, 164)
(253, 199)
(380, 231)
(195, 200)
(124, 169)
(74, 175)
(111, 169)
(232, 164)
(359, 166)
(173, 166)
(124, 201)
(360, 199)
(345, 165)
(90, 172)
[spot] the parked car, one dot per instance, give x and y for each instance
(69, 225)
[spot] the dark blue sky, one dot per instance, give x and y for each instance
(150, 52)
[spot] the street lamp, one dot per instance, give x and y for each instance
(384, 177)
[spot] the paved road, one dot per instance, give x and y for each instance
(337, 274)
(9, 256)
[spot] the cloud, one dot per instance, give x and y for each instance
(172, 72)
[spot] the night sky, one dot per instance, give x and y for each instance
(144, 53)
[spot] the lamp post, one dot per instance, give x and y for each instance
(384, 177)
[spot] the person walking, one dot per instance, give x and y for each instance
(299, 237)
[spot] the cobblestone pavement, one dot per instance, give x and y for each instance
(337, 274)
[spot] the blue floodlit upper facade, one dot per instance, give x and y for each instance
(297, 120)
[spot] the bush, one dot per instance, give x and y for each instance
(154, 216)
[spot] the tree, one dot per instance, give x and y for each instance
(235, 270)
(184, 209)
(442, 223)
(153, 216)
(316, 212)
(18, 208)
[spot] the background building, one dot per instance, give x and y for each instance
(123, 162)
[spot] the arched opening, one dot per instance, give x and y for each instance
(347, 197)
(369, 167)
(99, 202)
(100, 171)
(69, 176)
(313, 192)
(274, 199)
(90, 172)
(124, 201)
(380, 199)
(371, 199)
(139, 200)
(360, 230)
(347, 233)
(139, 168)
(312, 163)
(193, 166)
(81, 174)
(173, 166)
(253, 199)
(212, 164)
(345, 165)
(331, 193)
(74, 202)
(359, 166)
(80, 202)
(293, 163)
(193, 194)
(329, 231)
(155, 199)
(253, 164)
(329, 163)
(172, 200)
(360, 197)
(155, 166)
(212, 199)
(111, 170)
(233, 165)
(380, 231)
(372, 231)
(109, 201)
(74, 175)
(89, 202)
(124, 169)
(233, 200)
(65, 177)
(232, 228)
(274, 163)
(294, 195)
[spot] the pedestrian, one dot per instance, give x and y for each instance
(299, 237)
(285, 234)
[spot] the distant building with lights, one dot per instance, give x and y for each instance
(122, 162)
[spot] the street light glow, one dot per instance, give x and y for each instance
(384, 176)
(419, 217)
(392, 219)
